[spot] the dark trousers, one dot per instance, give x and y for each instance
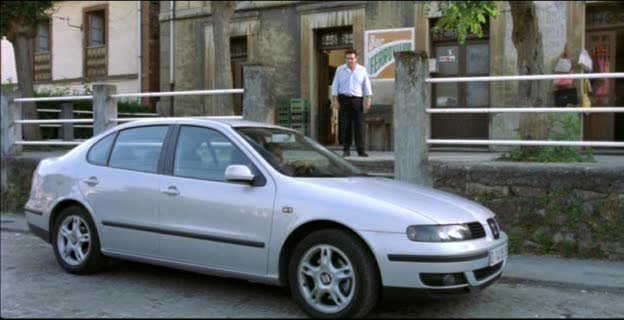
(352, 118)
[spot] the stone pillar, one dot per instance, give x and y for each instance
(411, 121)
(67, 130)
(258, 98)
(104, 107)
(9, 131)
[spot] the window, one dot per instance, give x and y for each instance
(205, 154)
(99, 151)
(42, 43)
(95, 20)
(295, 155)
(138, 148)
(96, 28)
(43, 37)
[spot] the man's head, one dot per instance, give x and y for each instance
(351, 58)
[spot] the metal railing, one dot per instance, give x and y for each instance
(104, 115)
(527, 110)
(412, 113)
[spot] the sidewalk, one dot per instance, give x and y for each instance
(573, 273)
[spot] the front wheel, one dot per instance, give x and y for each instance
(332, 274)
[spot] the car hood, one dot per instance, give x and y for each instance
(439, 206)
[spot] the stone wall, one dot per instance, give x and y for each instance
(574, 210)
(571, 210)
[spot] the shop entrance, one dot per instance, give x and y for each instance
(604, 40)
(331, 47)
(469, 59)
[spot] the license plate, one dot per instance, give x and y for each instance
(497, 255)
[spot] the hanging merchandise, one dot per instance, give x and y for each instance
(585, 102)
(602, 59)
(585, 61)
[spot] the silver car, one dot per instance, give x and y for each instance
(243, 199)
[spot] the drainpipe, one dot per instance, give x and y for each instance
(140, 58)
(171, 53)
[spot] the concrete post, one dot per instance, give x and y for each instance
(104, 108)
(411, 121)
(67, 130)
(9, 131)
(258, 98)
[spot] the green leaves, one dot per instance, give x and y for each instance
(465, 17)
(23, 11)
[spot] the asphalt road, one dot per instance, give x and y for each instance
(33, 285)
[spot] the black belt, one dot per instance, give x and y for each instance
(348, 96)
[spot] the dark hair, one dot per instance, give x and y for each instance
(351, 51)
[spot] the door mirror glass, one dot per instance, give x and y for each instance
(239, 173)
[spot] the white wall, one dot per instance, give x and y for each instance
(67, 52)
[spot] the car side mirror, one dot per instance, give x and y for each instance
(239, 173)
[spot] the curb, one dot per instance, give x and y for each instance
(558, 284)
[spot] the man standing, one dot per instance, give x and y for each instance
(351, 94)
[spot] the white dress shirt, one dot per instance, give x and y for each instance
(352, 83)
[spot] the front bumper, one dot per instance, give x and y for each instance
(406, 264)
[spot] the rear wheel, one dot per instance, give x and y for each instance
(332, 274)
(76, 243)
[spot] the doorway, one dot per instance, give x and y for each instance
(238, 56)
(604, 40)
(470, 59)
(331, 47)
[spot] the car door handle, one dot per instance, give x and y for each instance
(92, 181)
(172, 191)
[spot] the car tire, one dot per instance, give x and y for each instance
(91, 260)
(358, 294)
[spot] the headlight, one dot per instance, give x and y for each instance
(435, 233)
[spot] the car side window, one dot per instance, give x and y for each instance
(138, 149)
(98, 154)
(204, 153)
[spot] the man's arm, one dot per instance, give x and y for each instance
(368, 92)
(334, 91)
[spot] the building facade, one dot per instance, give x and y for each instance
(305, 41)
(111, 42)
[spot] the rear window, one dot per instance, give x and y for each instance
(99, 151)
(138, 149)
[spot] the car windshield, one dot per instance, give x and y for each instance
(295, 155)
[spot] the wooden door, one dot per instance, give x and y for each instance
(601, 45)
(453, 60)
(324, 104)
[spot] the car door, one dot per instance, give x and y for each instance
(209, 221)
(121, 184)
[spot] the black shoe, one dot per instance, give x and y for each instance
(346, 154)
(362, 154)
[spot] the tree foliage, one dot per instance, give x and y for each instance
(23, 13)
(465, 17)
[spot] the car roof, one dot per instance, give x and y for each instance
(234, 122)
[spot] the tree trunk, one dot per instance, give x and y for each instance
(527, 39)
(222, 12)
(21, 34)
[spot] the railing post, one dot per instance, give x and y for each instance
(258, 98)
(104, 107)
(10, 132)
(410, 119)
(67, 129)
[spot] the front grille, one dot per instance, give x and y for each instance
(483, 273)
(476, 230)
